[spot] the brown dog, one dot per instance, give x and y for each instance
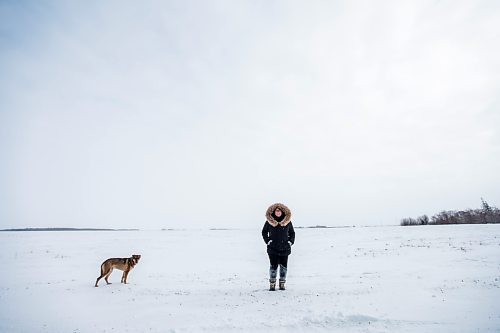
(123, 264)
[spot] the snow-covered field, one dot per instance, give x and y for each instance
(371, 279)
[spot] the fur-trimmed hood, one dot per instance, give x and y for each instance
(284, 209)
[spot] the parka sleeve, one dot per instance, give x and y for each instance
(291, 234)
(265, 233)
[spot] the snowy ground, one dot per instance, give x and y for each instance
(378, 279)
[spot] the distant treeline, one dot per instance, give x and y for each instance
(323, 227)
(486, 214)
(66, 229)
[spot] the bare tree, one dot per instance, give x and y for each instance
(487, 214)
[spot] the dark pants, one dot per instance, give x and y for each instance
(275, 260)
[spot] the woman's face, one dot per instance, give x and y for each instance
(278, 212)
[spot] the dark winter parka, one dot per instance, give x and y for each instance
(279, 231)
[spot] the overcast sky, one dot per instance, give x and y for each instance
(167, 114)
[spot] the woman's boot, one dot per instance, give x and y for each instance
(273, 272)
(282, 284)
(272, 286)
(283, 271)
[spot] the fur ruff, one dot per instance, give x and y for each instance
(284, 209)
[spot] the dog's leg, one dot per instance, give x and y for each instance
(101, 276)
(107, 276)
(96, 281)
(125, 276)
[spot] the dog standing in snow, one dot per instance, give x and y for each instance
(123, 264)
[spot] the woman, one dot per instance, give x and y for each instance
(279, 236)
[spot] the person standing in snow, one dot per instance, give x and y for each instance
(279, 236)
